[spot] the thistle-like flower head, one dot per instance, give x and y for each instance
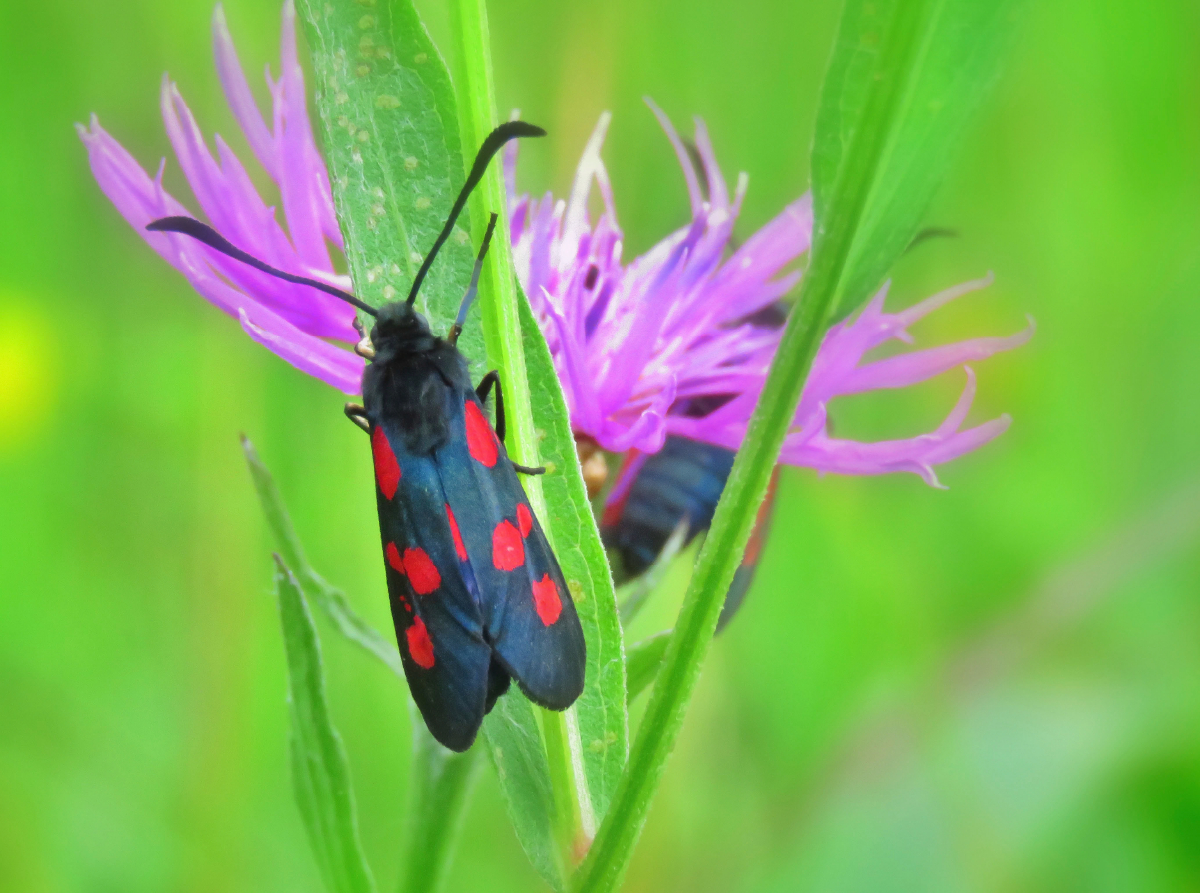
(295, 321)
(676, 341)
(679, 340)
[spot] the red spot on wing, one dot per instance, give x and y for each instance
(397, 564)
(387, 469)
(547, 600)
(481, 442)
(508, 552)
(393, 557)
(524, 519)
(420, 647)
(459, 547)
(422, 572)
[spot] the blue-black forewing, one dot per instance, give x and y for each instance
(438, 623)
(527, 611)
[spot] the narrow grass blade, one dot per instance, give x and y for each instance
(637, 592)
(962, 46)
(330, 599)
(645, 660)
(320, 774)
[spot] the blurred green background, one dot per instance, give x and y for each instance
(994, 687)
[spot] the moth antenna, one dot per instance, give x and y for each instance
(204, 233)
(473, 288)
(497, 138)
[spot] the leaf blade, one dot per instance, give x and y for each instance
(602, 710)
(330, 599)
(320, 774)
(440, 788)
(388, 117)
(645, 660)
(515, 747)
(962, 47)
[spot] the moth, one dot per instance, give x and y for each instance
(476, 593)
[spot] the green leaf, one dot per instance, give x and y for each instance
(585, 746)
(901, 44)
(645, 660)
(603, 718)
(390, 137)
(601, 729)
(959, 58)
(331, 600)
(439, 788)
(440, 779)
(514, 744)
(319, 772)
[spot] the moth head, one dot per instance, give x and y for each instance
(398, 327)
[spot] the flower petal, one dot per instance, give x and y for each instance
(239, 97)
(910, 368)
(333, 365)
(678, 341)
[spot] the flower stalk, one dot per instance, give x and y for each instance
(733, 521)
(502, 335)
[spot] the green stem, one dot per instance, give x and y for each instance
(502, 336)
(497, 289)
(734, 518)
(441, 783)
(556, 738)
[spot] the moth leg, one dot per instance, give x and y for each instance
(485, 388)
(525, 469)
(358, 414)
(364, 348)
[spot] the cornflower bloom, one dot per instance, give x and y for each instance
(296, 322)
(639, 348)
(679, 340)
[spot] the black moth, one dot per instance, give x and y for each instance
(477, 596)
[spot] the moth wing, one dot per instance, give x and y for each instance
(438, 624)
(744, 575)
(527, 611)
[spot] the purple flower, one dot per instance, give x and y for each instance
(674, 342)
(294, 321)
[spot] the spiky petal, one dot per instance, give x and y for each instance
(680, 339)
(296, 322)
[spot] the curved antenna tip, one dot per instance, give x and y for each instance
(206, 235)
